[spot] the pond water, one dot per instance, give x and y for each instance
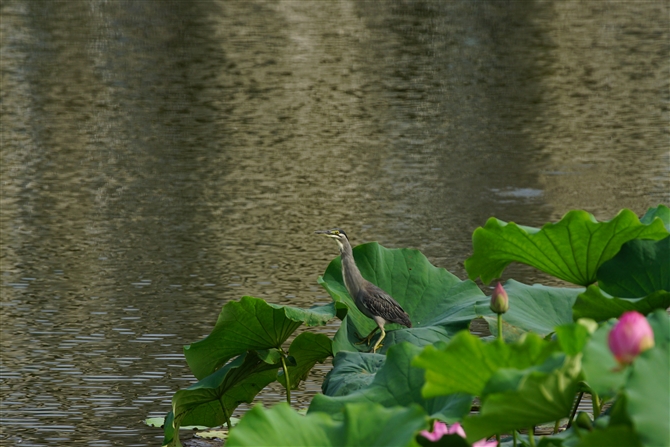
(162, 158)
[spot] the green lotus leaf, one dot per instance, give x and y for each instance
(250, 324)
(517, 399)
(661, 211)
(660, 324)
(648, 387)
(613, 436)
(648, 393)
(595, 305)
(169, 431)
(212, 400)
(572, 249)
(616, 415)
(271, 356)
(535, 308)
(363, 424)
(573, 337)
(351, 371)
(643, 402)
(564, 438)
(438, 303)
(639, 269)
(601, 370)
(396, 383)
(467, 363)
(307, 348)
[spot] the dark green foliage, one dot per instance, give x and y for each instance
(396, 383)
(553, 346)
(572, 249)
(639, 269)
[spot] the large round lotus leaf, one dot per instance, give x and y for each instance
(648, 387)
(517, 399)
(600, 368)
(438, 303)
(466, 363)
(573, 337)
(363, 424)
(250, 324)
(661, 211)
(572, 249)
(648, 393)
(212, 400)
(351, 371)
(639, 269)
(535, 308)
(307, 349)
(595, 305)
(396, 383)
(614, 436)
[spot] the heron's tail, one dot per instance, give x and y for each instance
(404, 320)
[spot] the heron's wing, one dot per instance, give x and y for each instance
(382, 304)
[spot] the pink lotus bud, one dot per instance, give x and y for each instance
(631, 336)
(499, 300)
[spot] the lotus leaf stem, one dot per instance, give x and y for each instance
(500, 327)
(288, 381)
(225, 415)
(531, 438)
(574, 409)
(557, 424)
(498, 439)
(514, 437)
(595, 401)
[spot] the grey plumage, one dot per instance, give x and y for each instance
(371, 300)
(381, 303)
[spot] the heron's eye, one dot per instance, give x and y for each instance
(336, 232)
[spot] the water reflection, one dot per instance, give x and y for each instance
(160, 159)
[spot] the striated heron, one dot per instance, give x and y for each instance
(372, 301)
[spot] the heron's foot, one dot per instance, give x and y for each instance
(364, 340)
(375, 348)
(379, 341)
(367, 340)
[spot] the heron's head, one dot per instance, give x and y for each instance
(336, 233)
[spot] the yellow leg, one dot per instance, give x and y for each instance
(379, 342)
(367, 339)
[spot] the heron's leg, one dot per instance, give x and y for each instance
(367, 339)
(379, 342)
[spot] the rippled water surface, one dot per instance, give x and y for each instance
(162, 158)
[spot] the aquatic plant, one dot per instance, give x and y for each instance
(554, 345)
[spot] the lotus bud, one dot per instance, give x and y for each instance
(499, 300)
(631, 336)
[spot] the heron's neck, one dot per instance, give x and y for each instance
(350, 273)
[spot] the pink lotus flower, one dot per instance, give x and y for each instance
(631, 336)
(440, 429)
(485, 443)
(499, 300)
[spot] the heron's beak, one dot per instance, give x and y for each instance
(326, 233)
